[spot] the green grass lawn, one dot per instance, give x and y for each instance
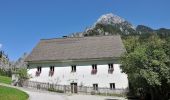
(4, 79)
(7, 93)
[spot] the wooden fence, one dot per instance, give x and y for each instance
(69, 88)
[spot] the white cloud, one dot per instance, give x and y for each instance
(0, 45)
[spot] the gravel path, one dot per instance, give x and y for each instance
(45, 95)
(92, 97)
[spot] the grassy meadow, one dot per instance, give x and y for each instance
(7, 93)
(4, 79)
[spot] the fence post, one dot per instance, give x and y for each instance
(64, 88)
(73, 88)
(106, 92)
(48, 86)
(86, 89)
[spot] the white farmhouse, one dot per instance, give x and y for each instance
(79, 61)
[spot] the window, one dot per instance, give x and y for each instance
(94, 69)
(52, 68)
(95, 87)
(111, 68)
(39, 69)
(51, 72)
(28, 66)
(112, 86)
(38, 72)
(73, 68)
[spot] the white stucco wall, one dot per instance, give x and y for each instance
(83, 76)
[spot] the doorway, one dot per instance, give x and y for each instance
(73, 87)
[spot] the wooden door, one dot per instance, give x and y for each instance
(73, 87)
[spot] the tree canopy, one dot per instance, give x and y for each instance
(147, 63)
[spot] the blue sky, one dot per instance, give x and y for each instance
(24, 22)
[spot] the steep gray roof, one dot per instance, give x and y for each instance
(62, 49)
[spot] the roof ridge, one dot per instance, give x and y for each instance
(79, 37)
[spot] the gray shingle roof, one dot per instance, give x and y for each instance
(77, 48)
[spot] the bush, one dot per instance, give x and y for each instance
(4, 72)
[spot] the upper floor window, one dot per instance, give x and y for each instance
(73, 68)
(112, 86)
(39, 69)
(38, 72)
(95, 87)
(111, 68)
(51, 72)
(94, 69)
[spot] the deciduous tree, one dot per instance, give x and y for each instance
(148, 67)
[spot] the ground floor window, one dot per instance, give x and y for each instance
(112, 86)
(95, 87)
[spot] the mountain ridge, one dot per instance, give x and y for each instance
(110, 24)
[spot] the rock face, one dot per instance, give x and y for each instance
(110, 19)
(111, 24)
(108, 24)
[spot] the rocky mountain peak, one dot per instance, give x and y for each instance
(110, 19)
(111, 24)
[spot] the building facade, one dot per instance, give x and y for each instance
(81, 61)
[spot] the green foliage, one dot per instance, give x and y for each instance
(111, 29)
(124, 30)
(147, 64)
(22, 73)
(7, 73)
(130, 42)
(163, 33)
(7, 93)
